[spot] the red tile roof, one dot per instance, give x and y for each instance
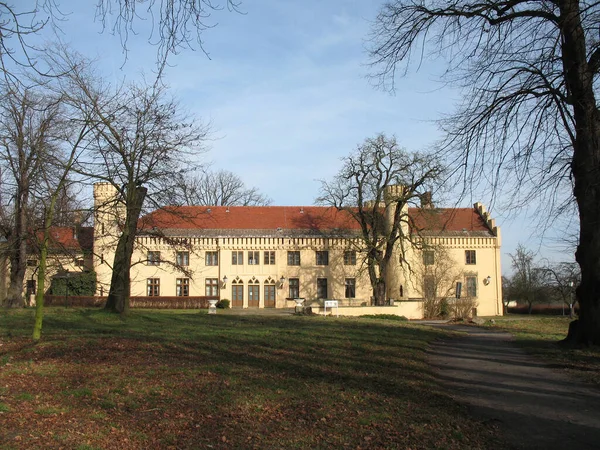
(64, 238)
(447, 220)
(306, 218)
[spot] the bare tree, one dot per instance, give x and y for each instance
(27, 124)
(220, 188)
(175, 25)
(375, 186)
(141, 141)
(564, 277)
(530, 120)
(436, 275)
(528, 280)
(54, 188)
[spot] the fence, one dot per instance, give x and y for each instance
(547, 309)
(134, 302)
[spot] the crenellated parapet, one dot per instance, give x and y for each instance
(487, 219)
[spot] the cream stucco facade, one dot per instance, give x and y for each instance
(266, 256)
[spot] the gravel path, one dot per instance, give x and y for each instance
(535, 406)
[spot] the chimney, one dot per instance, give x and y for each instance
(426, 201)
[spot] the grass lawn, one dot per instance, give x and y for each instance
(189, 380)
(539, 335)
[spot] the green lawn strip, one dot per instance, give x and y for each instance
(159, 378)
(540, 335)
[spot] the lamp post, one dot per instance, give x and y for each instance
(571, 284)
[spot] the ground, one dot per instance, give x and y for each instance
(189, 380)
(185, 379)
(536, 405)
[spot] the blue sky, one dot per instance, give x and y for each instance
(286, 91)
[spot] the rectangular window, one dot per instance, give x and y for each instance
(237, 258)
(79, 262)
(428, 257)
(294, 288)
(182, 258)
(321, 287)
(153, 287)
(350, 285)
(182, 287)
(212, 258)
(30, 287)
(294, 258)
(253, 295)
(322, 258)
(350, 258)
(253, 258)
(269, 296)
(269, 258)
(470, 257)
(212, 287)
(237, 295)
(32, 262)
(429, 290)
(153, 259)
(471, 286)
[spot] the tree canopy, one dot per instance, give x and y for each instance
(529, 121)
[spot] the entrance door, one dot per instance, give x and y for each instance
(269, 296)
(253, 295)
(237, 295)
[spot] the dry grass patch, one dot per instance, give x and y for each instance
(188, 380)
(541, 335)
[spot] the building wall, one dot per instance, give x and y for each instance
(403, 285)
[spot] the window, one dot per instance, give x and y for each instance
(79, 262)
(182, 287)
(212, 287)
(183, 258)
(212, 258)
(350, 285)
(32, 262)
(237, 295)
(294, 288)
(253, 294)
(428, 257)
(30, 287)
(293, 258)
(269, 258)
(350, 258)
(470, 257)
(471, 286)
(253, 258)
(269, 295)
(237, 258)
(322, 258)
(153, 258)
(321, 287)
(153, 287)
(429, 290)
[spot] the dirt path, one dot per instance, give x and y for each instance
(535, 406)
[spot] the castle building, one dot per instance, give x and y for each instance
(268, 256)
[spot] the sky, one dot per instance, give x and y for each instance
(285, 88)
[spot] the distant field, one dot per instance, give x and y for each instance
(540, 335)
(189, 380)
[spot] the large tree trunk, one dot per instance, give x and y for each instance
(586, 173)
(18, 252)
(118, 296)
(380, 292)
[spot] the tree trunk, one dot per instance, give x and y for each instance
(586, 172)
(380, 294)
(18, 252)
(118, 296)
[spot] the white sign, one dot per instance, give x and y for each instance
(330, 304)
